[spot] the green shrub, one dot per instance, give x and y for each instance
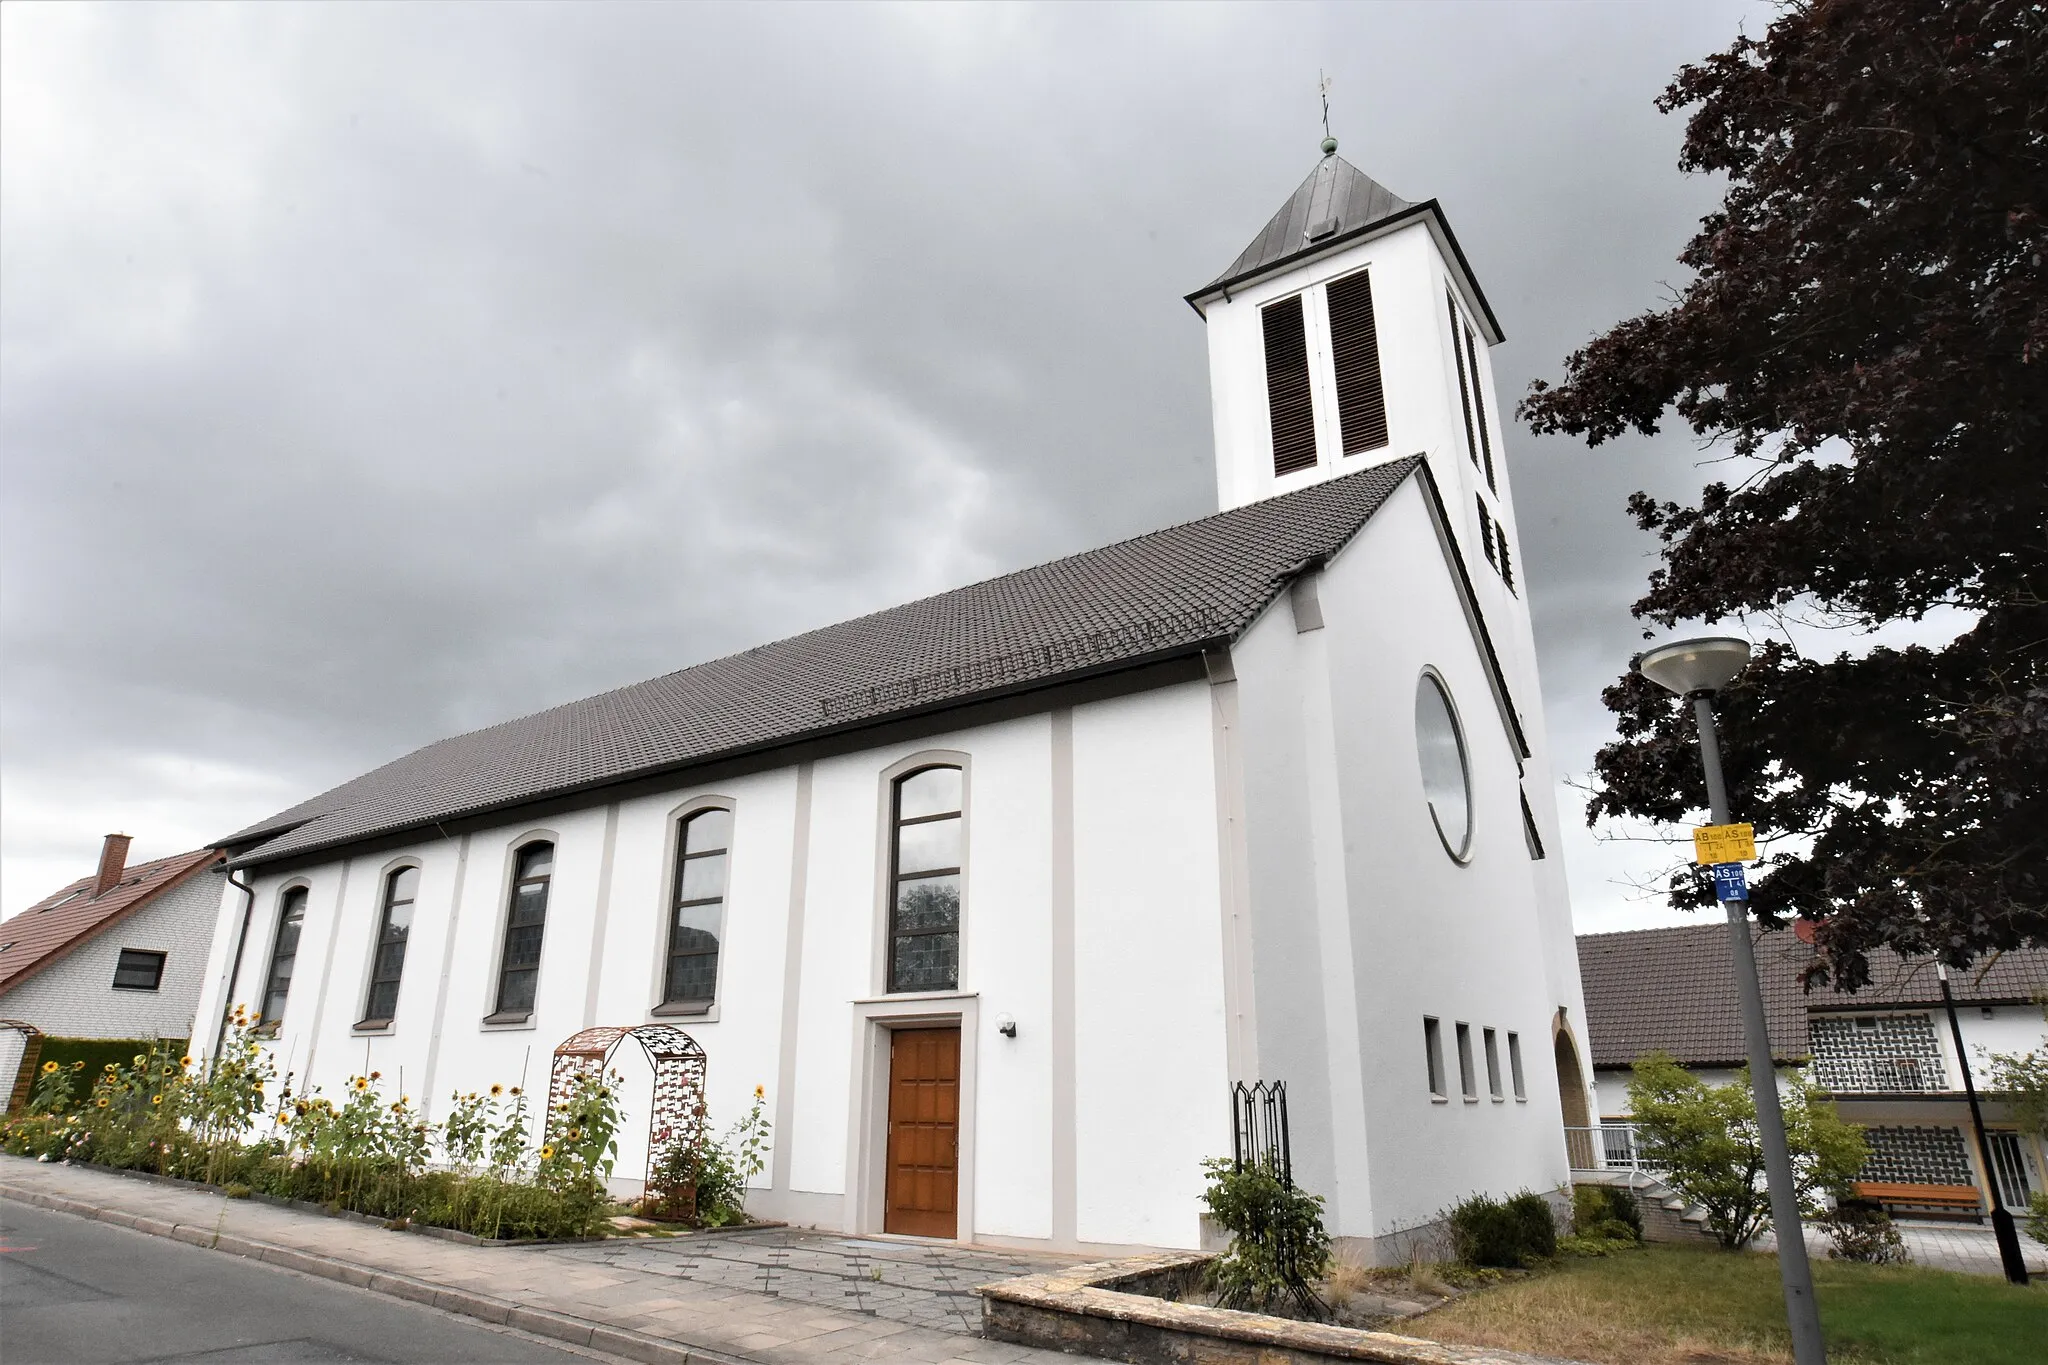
(1863, 1231)
(1278, 1245)
(1606, 1211)
(1508, 1234)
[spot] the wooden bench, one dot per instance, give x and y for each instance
(1963, 1198)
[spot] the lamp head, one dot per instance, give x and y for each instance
(1685, 667)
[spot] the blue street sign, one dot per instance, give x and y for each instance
(1729, 883)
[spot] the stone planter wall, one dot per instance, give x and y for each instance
(1112, 1309)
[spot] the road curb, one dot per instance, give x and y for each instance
(543, 1322)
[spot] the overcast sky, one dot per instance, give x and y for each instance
(370, 373)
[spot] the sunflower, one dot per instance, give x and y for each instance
(496, 1090)
(156, 1099)
(51, 1068)
(760, 1092)
(102, 1102)
(185, 1060)
(376, 1075)
(362, 1083)
(547, 1152)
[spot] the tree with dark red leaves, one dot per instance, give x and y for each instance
(1866, 331)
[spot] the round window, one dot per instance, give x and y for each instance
(1446, 781)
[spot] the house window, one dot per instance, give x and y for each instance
(1468, 1083)
(692, 978)
(138, 969)
(924, 905)
(1446, 779)
(1433, 1055)
(1515, 1065)
(401, 888)
(284, 951)
(1492, 1065)
(525, 918)
(1288, 400)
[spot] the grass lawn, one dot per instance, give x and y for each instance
(1698, 1306)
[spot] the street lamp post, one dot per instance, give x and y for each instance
(2001, 1217)
(1696, 670)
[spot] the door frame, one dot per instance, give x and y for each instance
(867, 1146)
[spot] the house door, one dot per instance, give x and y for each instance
(2009, 1167)
(923, 1179)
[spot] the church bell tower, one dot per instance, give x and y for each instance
(1351, 332)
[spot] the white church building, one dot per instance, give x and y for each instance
(999, 892)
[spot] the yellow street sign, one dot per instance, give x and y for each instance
(1724, 844)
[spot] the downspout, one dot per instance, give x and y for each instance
(235, 972)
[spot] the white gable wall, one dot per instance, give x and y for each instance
(74, 997)
(1365, 925)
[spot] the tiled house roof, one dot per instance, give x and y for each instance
(1157, 596)
(1674, 989)
(53, 926)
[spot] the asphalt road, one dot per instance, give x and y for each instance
(76, 1292)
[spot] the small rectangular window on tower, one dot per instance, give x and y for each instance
(1433, 1056)
(1530, 836)
(1288, 395)
(1515, 1065)
(1507, 564)
(1355, 353)
(1486, 539)
(1492, 1065)
(1468, 1081)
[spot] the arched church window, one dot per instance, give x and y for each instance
(525, 919)
(698, 920)
(394, 926)
(927, 839)
(284, 951)
(1446, 776)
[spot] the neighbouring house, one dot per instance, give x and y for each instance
(118, 954)
(1885, 1053)
(997, 894)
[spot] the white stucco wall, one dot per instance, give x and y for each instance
(1144, 1093)
(74, 997)
(1372, 906)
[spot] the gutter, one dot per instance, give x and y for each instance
(234, 972)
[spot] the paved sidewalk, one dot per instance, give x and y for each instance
(921, 1284)
(640, 1307)
(1964, 1247)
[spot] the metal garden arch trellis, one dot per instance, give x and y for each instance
(678, 1109)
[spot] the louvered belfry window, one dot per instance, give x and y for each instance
(1479, 406)
(1287, 387)
(1464, 383)
(1355, 349)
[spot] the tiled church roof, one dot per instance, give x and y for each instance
(56, 924)
(1674, 989)
(1157, 596)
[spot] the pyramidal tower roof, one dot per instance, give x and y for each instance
(1337, 203)
(1337, 199)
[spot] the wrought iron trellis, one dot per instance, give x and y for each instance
(1258, 1133)
(1259, 1141)
(679, 1063)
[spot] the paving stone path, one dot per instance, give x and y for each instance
(925, 1286)
(781, 1298)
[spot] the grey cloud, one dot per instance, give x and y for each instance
(372, 373)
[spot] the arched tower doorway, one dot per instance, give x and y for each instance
(1571, 1086)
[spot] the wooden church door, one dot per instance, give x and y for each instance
(923, 1180)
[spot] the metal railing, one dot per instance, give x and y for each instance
(1883, 1075)
(1604, 1147)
